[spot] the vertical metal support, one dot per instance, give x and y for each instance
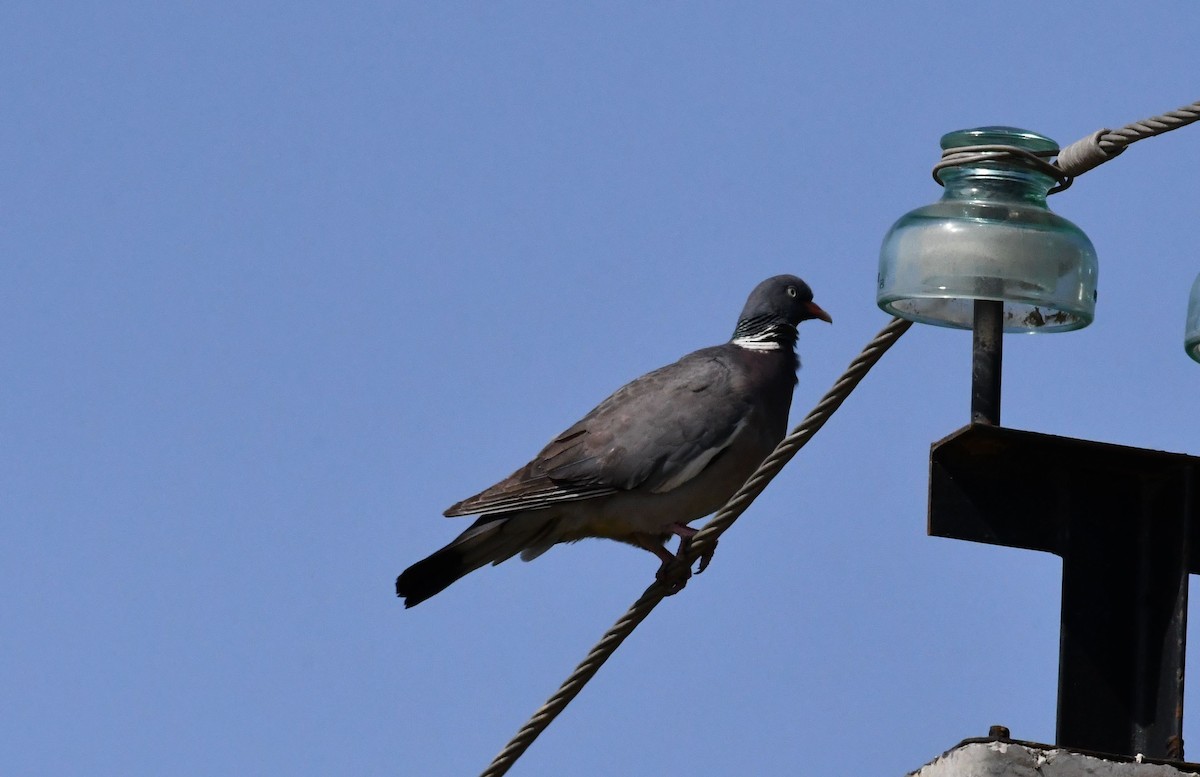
(987, 354)
(1124, 618)
(1122, 520)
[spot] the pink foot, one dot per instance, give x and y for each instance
(685, 534)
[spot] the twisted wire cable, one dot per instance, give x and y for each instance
(1155, 125)
(701, 546)
(1080, 156)
(804, 431)
(1104, 144)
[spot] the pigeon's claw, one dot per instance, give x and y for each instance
(685, 534)
(673, 575)
(676, 570)
(706, 556)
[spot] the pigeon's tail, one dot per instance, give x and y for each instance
(489, 540)
(430, 576)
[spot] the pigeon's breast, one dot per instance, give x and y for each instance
(645, 512)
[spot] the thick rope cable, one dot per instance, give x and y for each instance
(1104, 144)
(706, 539)
(701, 547)
(1082, 155)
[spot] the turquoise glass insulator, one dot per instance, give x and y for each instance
(990, 237)
(1191, 334)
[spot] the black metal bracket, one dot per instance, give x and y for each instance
(987, 356)
(1121, 519)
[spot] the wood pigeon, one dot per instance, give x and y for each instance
(668, 448)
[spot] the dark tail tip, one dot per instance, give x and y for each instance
(430, 576)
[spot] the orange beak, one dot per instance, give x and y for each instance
(815, 311)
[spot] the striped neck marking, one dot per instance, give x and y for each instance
(764, 333)
(762, 341)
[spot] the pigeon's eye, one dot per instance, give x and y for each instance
(791, 291)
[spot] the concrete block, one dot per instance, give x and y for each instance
(997, 758)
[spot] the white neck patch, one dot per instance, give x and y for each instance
(760, 341)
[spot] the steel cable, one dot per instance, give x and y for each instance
(701, 546)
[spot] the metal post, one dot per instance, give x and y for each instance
(1122, 520)
(1124, 615)
(986, 358)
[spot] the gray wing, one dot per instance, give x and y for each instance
(657, 433)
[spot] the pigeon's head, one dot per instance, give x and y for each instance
(783, 297)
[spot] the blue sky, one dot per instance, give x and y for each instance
(284, 281)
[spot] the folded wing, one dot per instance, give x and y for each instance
(658, 432)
